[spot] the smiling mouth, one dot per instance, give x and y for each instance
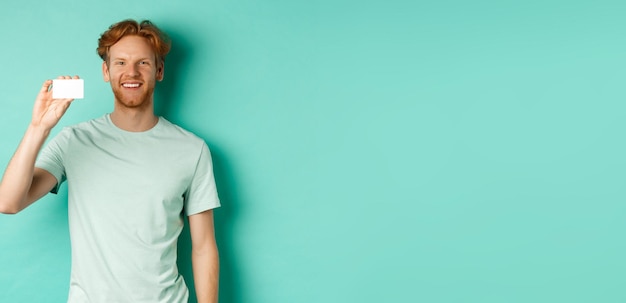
(131, 85)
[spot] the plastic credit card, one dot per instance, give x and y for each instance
(68, 88)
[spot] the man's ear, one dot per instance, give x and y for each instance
(105, 72)
(160, 72)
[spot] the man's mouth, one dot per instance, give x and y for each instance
(131, 85)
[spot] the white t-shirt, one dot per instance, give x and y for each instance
(128, 192)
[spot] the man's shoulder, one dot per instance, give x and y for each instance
(87, 125)
(178, 131)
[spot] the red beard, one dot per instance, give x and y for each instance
(136, 99)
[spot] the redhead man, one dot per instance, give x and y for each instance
(131, 176)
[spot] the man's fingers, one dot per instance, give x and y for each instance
(46, 86)
(64, 105)
(67, 77)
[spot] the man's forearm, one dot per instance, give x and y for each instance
(206, 275)
(18, 175)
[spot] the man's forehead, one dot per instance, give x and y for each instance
(132, 45)
(133, 54)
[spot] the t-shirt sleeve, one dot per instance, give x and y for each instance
(51, 159)
(202, 192)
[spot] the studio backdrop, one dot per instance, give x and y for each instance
(364, 151)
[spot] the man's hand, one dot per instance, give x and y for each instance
(48, 111)
(23, 183)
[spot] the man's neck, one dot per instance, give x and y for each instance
(134, 120)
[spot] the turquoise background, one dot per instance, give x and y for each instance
(390, 151)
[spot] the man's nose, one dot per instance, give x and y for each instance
(133, 70)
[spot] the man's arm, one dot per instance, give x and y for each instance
(204, 256)
(23, 183)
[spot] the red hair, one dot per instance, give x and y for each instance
(160, 42)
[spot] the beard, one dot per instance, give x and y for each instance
(136, 100)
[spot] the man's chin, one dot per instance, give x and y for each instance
(133, 99)
(132, 102)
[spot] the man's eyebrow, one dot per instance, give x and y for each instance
(124, 59)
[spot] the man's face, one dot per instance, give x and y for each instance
(132, 71)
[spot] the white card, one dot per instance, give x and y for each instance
(67, 88)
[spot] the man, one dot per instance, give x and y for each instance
(131, 176)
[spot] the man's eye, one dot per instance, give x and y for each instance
(144, 62)
(119, 63)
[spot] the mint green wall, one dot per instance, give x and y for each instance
(399, 151)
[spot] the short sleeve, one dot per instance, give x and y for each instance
(202, 192)
(51, 158)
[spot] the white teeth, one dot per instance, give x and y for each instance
(131, 85)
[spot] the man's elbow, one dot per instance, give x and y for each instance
(205, 251)
(8, 209)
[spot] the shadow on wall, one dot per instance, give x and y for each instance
(166, 94)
